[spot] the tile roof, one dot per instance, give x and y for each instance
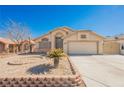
(6, 41)
(31, 41)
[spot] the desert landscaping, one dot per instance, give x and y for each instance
(32, 65)
(38, 70)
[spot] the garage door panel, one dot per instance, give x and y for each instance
(82, 48)
(111, 48)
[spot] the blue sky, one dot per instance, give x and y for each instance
(104, 20)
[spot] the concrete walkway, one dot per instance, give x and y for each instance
(101, 70)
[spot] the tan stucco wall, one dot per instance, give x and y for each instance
(76, 36)
(120, 41)
(100, 47)
(90, 35)
(66, 41)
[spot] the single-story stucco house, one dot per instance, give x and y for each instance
(77, 42)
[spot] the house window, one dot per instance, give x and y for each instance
(45, 40)
(122, 47)
(83, 36)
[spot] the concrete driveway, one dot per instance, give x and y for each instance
(101, 70)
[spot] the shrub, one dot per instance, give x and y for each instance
(56, 54)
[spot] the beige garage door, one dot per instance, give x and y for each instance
(82, 48)
(111, 48)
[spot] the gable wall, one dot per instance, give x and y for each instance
(51, 36)
(77, 36)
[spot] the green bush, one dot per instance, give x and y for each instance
(56, 54)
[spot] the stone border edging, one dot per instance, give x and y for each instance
(74, 68)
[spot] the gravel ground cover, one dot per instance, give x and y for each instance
(32, 65)
(5, 55)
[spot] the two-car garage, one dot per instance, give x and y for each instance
(83, 43)
(79, 47)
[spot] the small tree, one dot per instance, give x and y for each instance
(56, 54)
(17, 32)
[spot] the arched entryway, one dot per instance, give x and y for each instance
(59, 40)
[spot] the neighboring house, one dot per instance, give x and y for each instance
(6, 45)
(75, 42)
(27, 46)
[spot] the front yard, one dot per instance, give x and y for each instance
(35, 70)
(32, 65)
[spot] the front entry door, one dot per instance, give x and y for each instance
(59, 42)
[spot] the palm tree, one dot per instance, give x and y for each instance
(56, 54)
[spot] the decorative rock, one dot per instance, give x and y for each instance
(40, 85)
(48, 85)
(65, 85)
(23, 85)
